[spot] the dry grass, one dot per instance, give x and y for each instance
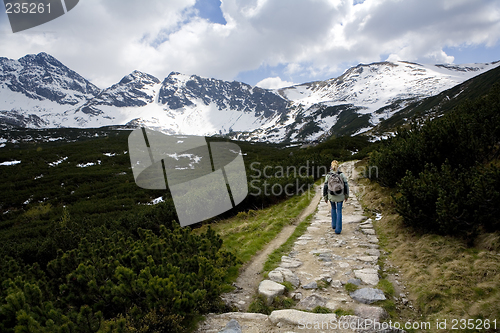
(447, 280)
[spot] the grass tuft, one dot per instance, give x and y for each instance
(288, 285)
(386, 287)
(321, 309)
(350, 287)
(342, 312)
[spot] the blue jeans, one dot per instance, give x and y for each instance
(337, 216)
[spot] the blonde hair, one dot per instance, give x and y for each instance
(335, 165)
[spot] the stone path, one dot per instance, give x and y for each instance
(319, 267)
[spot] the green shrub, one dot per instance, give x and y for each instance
(444, 169)
(450, 201)
(176, 272)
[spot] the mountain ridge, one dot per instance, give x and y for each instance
(38, 91)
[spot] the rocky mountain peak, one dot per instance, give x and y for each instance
(41, 59)
(43, 77)
(139, 76)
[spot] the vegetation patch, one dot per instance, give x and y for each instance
(84, 249)
(350, 287)
(259, 305)
(321, 309)
(386, 287)
(342, 312)
(446, 170)
(446, 277)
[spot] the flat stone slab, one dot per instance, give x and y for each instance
(366, 226)
(301, 242)
(344, 264)
(368, 245)
(325, 257)
(270, 289)
(312, 301)
(315, 321)
(373, 252)
(368, 295)
(295, 317)
(368, 258)
(353, 218)
(318, 251)
(374, 313)
(367, 275)
(368, 231)
(373, 239)
(304, 237)
(281, 274)
(287, 262)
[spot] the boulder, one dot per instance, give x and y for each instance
(270, 289)
(374, 313)
(354, 281)
(281, 274)
(231, 327)
(275, 276)
(311, 285)
(368, 295)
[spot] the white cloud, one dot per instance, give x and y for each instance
(274, 83)
(105, 40)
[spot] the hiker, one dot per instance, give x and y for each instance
(336, 190)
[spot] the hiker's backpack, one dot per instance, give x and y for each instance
(335, 183)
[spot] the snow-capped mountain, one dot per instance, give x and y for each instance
(367, 94)
(39, 91)
(36, 87)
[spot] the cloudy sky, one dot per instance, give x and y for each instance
(269, 43)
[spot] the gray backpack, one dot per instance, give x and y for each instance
(335, 184)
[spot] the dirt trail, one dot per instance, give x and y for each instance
(250, 274)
